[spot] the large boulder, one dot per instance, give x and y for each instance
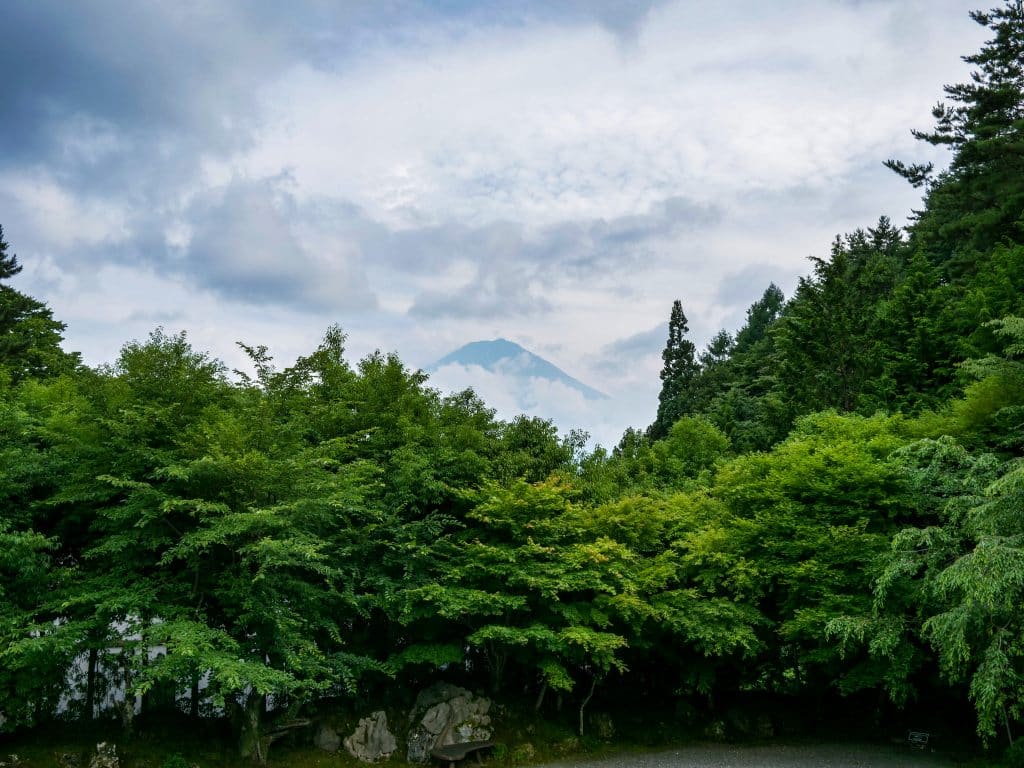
(446, 714)
(326, 738)
(371, 741)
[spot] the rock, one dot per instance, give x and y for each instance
(12, 761)
(371, 741)
(435, 694)
(418, 745)
(69, 760)
(446, 714)
(326, 738)
(106, 756)
(437, 718)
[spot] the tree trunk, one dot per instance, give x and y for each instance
(128, 705)
(496, 661)
(193, 702)
(251, 744)
(583, 704)
(540, 697)
(90, 685)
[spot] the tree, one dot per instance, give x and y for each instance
(678, 373)
(29, 336)
(737, 388)
(9, 265)
(525, 587)
(692, 445)
(829, 347)
(760, 316)
(976, 203)
(805, 523)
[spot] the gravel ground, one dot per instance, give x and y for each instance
(775, 756)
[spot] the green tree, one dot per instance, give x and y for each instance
(737, 384)
(976, 202)
(527, 585)
(692, 446)
(829, 349)
(760, 316)
(678, 374)
(30, 338)
(805, 524)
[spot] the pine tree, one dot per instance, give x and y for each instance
(976, 203)
(678, 373)
(9, 266)
(29, 336)
(761, 314)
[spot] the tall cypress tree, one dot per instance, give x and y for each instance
(678, 373)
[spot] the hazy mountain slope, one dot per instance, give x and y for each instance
(508, 358)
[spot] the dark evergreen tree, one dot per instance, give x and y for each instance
(9, 266)
(829, 343)
(739, 394)
(761, 314)
(977, 202)
(678, 374)
(718, 350)
(29, 336)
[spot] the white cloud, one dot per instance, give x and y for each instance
(542, 179)
(511, 394)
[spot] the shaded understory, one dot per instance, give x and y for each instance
(835, 732)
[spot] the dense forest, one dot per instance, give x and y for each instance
(828, 508)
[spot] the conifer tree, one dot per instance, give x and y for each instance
(9, 266)
(761, 314)
(976, 203)
(29, 336)
(678, 373)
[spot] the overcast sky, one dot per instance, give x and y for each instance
(428, 174)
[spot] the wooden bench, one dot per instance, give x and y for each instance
(452, 753)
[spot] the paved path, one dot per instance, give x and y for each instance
(775, 756)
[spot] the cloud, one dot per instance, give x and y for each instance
(428, 173)
(95, 84)
(626, 351)
(744, 287)
(251, 242)
(497, 290)
(511, 395)
(515, 269)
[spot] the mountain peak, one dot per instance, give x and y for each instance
(506, 357)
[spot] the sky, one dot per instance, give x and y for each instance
(427, 174)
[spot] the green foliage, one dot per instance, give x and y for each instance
(29, 336)
(692, 446)
(829, 499)
(678, 374)
(975, 204)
